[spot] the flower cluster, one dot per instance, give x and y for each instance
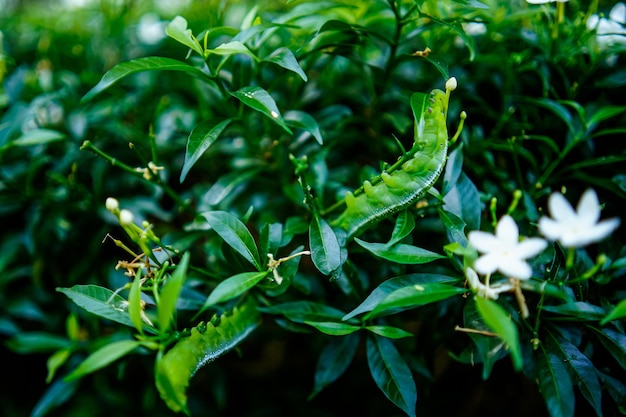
(506, 253)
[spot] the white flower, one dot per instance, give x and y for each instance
(504, 252)
(610, 31)
(451, 84)
(112, 204)
(484, 290)
(126, 217)
(574, 229)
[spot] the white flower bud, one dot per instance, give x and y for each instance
(451, 84)
(126, 217)
(112, 204)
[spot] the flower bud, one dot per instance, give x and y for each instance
(112, 204)
(126, 217)
(451, 84)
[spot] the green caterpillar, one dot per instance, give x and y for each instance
(418, 170)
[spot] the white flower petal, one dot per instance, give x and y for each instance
(487, 264)
(551, 229)
(591, 234)
(529, 248)
(618, 13)
(515, 268)
(560, 209)
(588, 208)
(483, 241)
(507, 231)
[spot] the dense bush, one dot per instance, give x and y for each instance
(171, 187)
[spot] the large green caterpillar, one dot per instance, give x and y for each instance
(411, 177)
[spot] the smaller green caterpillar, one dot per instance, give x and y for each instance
(418, 170)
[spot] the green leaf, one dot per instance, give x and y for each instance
(393, 284)
(617, 313)
(37, 137)
(206, 343)
(614, 342)
(455, 227)
(400, 252)
(134, 303)
(391, 374)
(389, 331)
(103, 357)
(102, 302)
(582, 371)
(37, 342)
(501, 323)
(414, 296)
(419, 103)
(261, 101)
(405, 223)
(334, 360)
(55, 361)
(579, 309)
(58, 393)
(301, 311)
(325, 250)
(151, 63)
(333, 328)
(177, 30)
(233, 287)
(200, 139)
(226, 186)
(604, 113)
(490, 349)
(166, 308)
(236, 234)
(302, 120)
(285, 58)
(555, 384)
(231, 48)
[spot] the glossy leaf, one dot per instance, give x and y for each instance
(333, 328)
(405, 224)
(614, 342)
(391, 373)
(58, 393)
(261, 101)
(102, 357)
(200, 139)
(234, 286)
(302, 120)
(231, 48)
(325, 251)
(226, 185)
(490, 349)
(414, 296)
(177, 30)
(617, 313)
(137, 65)
(501, 323)
(286, 59)
(334, 360)
(102, 302)
(400, 252)
(555, 384)
(389, 331)
(301, 311)
(206, 342)
(579, 309)
(236, 234)
(393, 284)
(166, 309)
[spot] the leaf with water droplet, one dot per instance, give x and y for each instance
(261, 101)
(206, 342)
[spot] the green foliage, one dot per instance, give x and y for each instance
(183, 175)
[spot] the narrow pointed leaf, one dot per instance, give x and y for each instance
(177, 30)
(400, 252)
(333, 328)
(555, 385)
(285, 58)
(617, 313)
(405, 223)
(325, 251)
(261, 101)
(489, 349)
(200, 139)
(234, 286)
(391, 374)
(501, 323)
(151, 63)
(301, 311)
(614, 342)
(334, 360)
(166, 308)
(226, 185)
(134, 303)
(206, 342)
(236, 234)
(231, 48)
(302, 120)
(389, 331)
(103, 357)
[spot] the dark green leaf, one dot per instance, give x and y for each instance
(236, 234)
(166, 308)
(102, 357)
(57, 394)
(234, 286)
(301, 311)
(490, 349)
(389, 331)
(614, 342)
(37, 342)
(579, 309)
(200, 139)
(555, 384)
(405, 223)
(501, 323)
(333, 328)
(137, 65)
(261, 101)
(334, 360)
(400, 252)
(226, 186)
(391, 373)
(325, 251)
(302, 120)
